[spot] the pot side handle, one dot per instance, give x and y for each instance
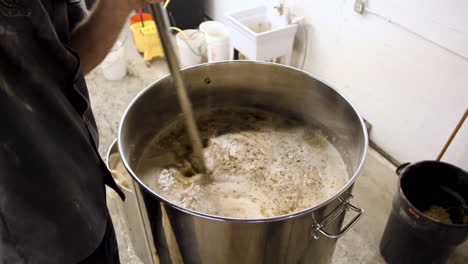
(319, 227)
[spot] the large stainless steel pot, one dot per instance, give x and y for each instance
(308, 236)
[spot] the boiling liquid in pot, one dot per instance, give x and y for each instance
(260, 165)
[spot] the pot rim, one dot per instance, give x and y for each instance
(420, 213)
(347, 186)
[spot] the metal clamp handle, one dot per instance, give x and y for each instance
(319, 227)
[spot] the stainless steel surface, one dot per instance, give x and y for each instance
(136, 217)
(203, 238)
(162, 24)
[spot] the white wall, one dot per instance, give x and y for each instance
(411, 89)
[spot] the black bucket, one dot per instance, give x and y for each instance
(411, 236)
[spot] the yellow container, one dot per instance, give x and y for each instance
(146, 37)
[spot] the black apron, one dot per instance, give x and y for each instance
(52, 193)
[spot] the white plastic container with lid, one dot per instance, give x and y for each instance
(190, 43)
(217, 41)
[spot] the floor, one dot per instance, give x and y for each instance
(373, 190)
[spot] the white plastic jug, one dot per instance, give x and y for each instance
(217, 41)
(114, 65)
(190, 44)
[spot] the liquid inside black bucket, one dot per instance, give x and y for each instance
(438, 190)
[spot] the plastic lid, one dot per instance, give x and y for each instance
(137, 18)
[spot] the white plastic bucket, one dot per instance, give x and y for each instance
(114, 66)
(190, 43)
(217, 41)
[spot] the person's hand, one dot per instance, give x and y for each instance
(134, 4)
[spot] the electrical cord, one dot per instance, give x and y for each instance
(306, 45)
(186, 38)
(390, 20)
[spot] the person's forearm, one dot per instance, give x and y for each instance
(94, 37)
